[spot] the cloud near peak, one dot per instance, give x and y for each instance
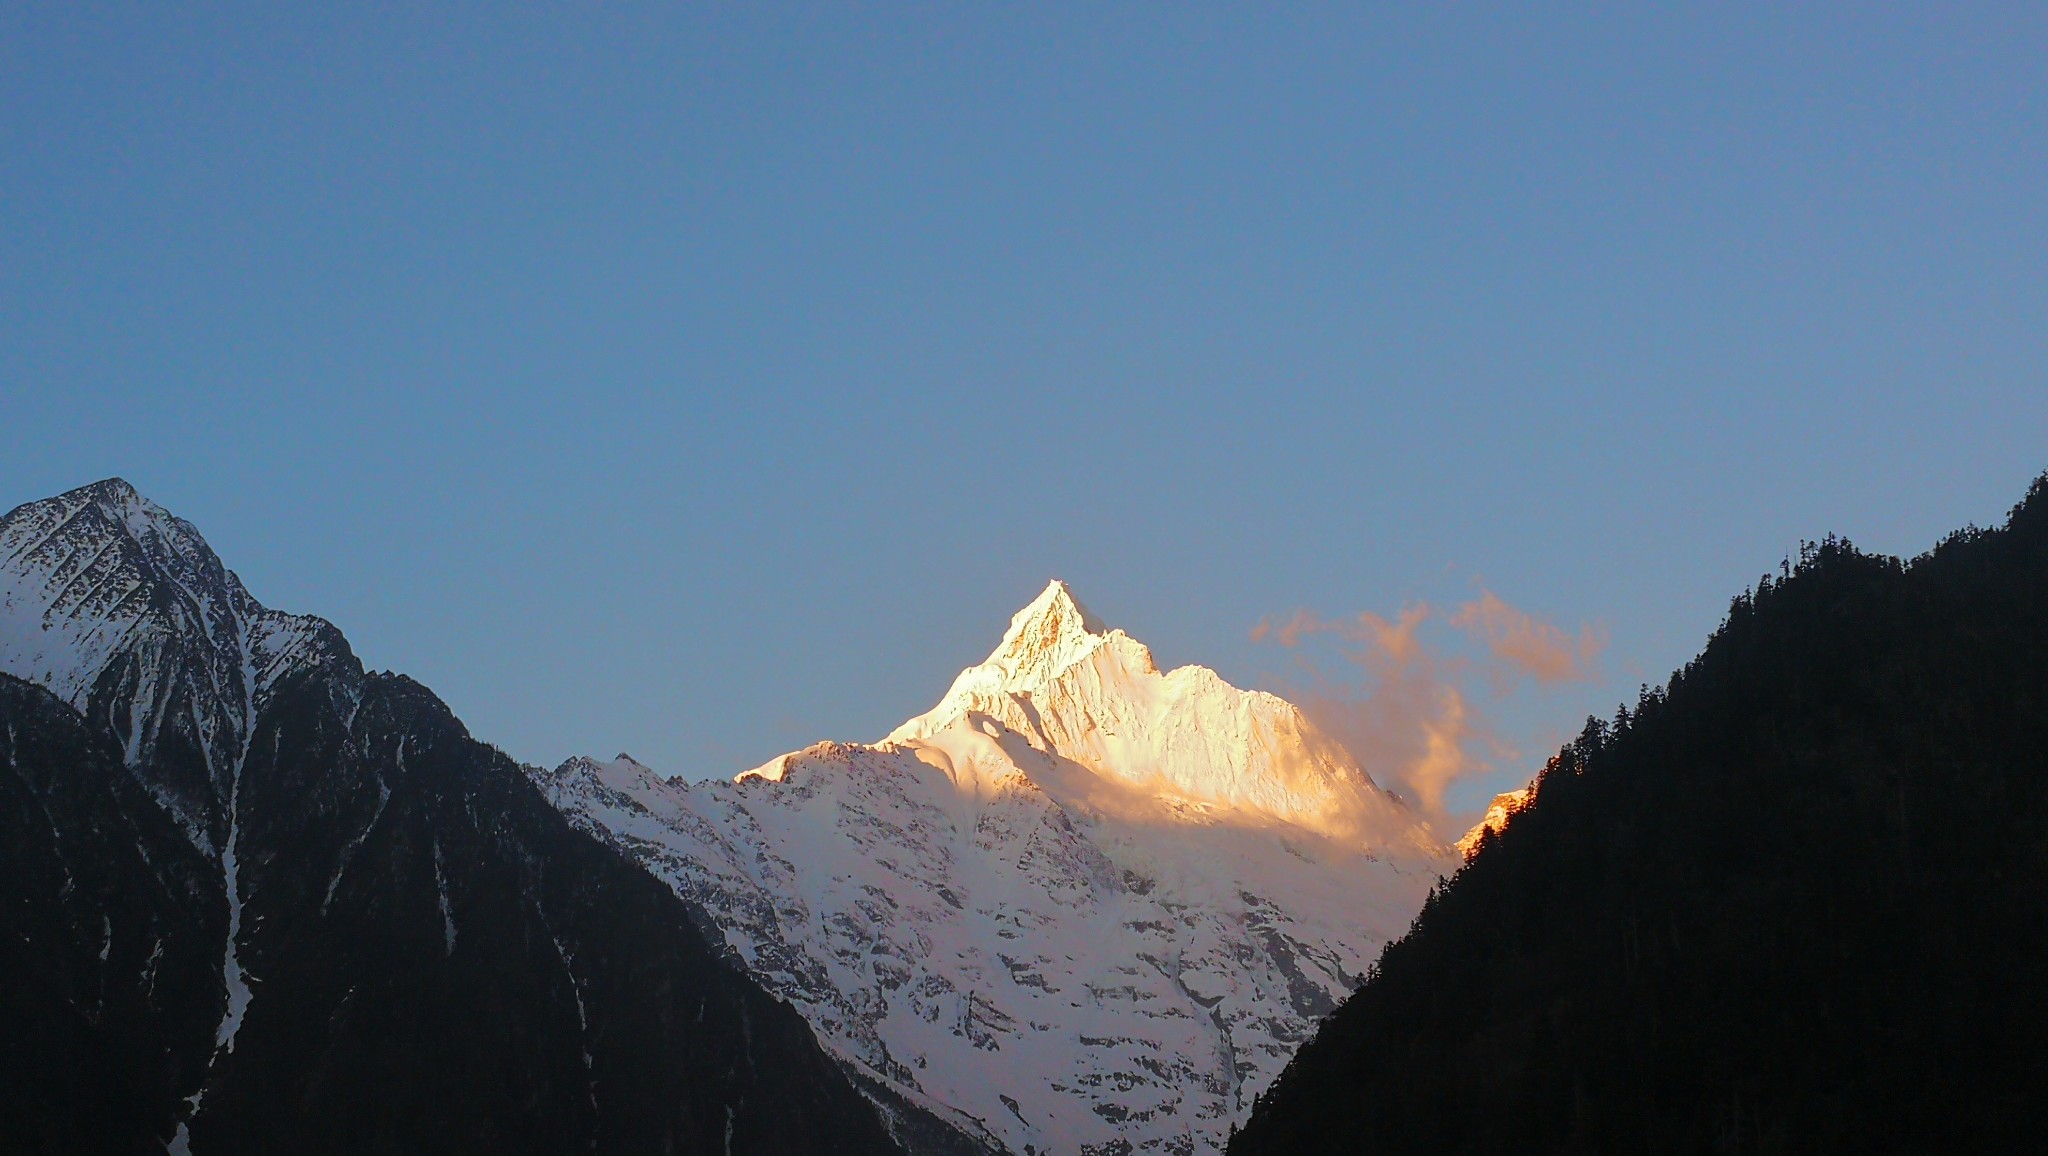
(1529, 644)
(1411, 719)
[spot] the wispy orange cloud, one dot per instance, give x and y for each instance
(1397, 638)
(1410, 725)
(1529, 644)
(1412, 722)
(1289, 633)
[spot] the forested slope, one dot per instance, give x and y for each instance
(1796, 901)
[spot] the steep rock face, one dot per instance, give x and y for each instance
(1080, 907)
(358, 928)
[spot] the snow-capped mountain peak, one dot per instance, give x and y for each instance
(121, 609)
(93, 568)
(295, 840)
(1045, 640)
(1047, 636)
(1092, 697)
(1080, 906)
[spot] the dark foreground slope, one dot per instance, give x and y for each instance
(109, 927)
(255, 899)
(1798, 902)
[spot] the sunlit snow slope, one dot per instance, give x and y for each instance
(1082, 906)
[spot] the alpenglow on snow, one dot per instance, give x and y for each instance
(1082, 906)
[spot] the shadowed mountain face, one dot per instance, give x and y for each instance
(1797, 902)
(258, 900)
(109, 941)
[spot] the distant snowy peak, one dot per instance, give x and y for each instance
(1045, 640)
(1498, 813)
(1080, 907)
(1046, 637)
(1073, 689)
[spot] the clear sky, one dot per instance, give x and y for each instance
(702, 381)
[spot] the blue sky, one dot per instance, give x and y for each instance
(701, 382)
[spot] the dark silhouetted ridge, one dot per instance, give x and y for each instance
(1797, 901)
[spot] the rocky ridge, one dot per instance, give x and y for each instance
(254, 898)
